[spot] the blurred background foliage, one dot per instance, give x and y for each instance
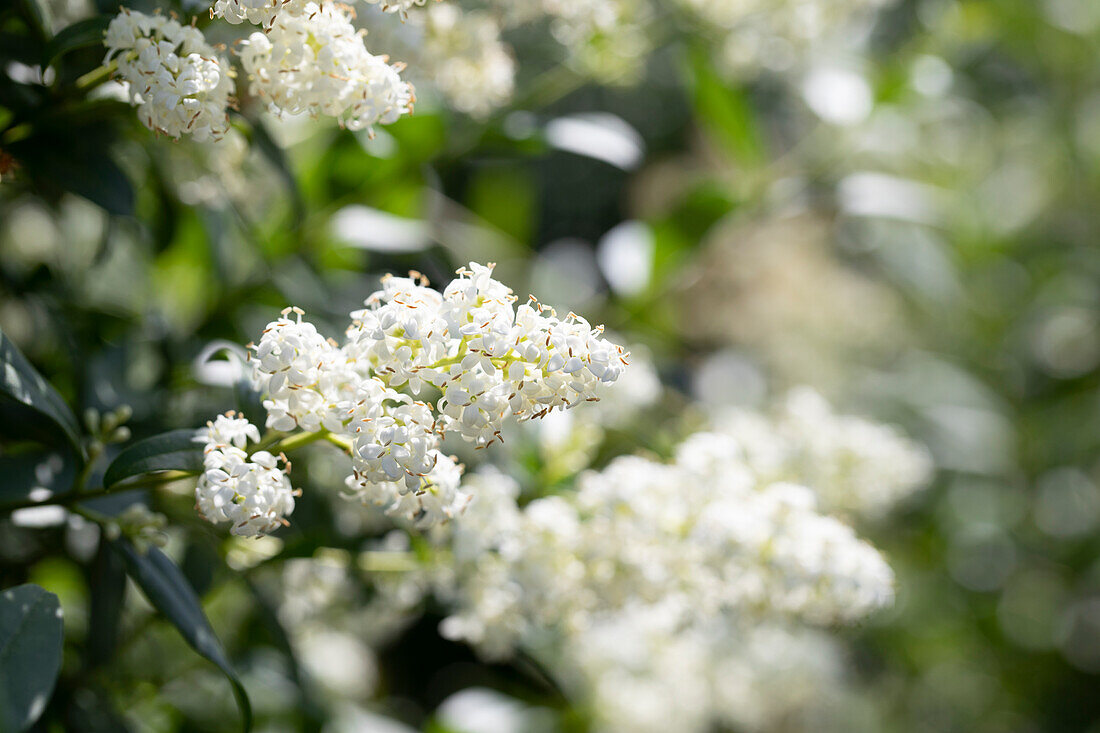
(908, 224)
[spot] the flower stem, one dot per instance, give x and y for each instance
(72, 497)
(96, 76)
(297, 440)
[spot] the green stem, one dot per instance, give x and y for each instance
(81, 479)
(339, 441)
(155, 479)
(92, 516)
(96, 76)
(267, 441)
(297, 441)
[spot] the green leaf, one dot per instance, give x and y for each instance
(27, 473)
(29, 406)
(37, 14)
(106, 597)
(83, 33)
(262, 140)
(171, 451)
(168, 591)
(76, 166)
(725, 112)
(30, 654)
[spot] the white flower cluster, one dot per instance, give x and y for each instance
(178, 82)
(644, 671)
(700, 532)
(311, 59)
(249, 490)
(257, 12)
(487, 358)
(772, 34)
(854, 465)
(466, 59)
(604, 38)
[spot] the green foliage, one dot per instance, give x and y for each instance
(30, 654)
(173, 451)
(170, 593)
(30, 408)
(82, 34)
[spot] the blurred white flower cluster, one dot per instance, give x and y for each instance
(488, 359)
(605, 38)
(672, 595)
(855, 465)
(610, 39)
(311, 59)
(177, 81)
(468, 62)
(775, 34)
(701, 534)
(249, 490)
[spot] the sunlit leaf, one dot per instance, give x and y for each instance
(30, 408)
(171, 451)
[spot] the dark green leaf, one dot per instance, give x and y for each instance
(30, 654)
(168, 591)
(38, 16)
(172, 451)
(74, 166)
(29, 403)
(84, 33)
(106, 595)
(28, 472)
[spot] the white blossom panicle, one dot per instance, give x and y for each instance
(648, 668)
(774, 34)
(433, 499)
(853, 464)
(306, 379)
(702, 529)
(257, 12)
(177, 81)
(251, 491)
(606, 39)
(314, 62)
(399, 333)
(488, 360)
(467, 62)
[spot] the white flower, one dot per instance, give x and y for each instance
(315, 62)
(432, 500)
(259, 12)
(177, 81)
(701, 529)
(467, 61)
(228, 430)
(250, 491)
(854, 465)
(397, 6)
(306, 380)
(393, 442)
(489, 362)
